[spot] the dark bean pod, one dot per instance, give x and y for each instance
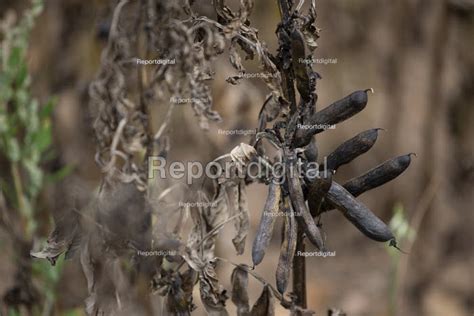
(267, 221)
(317, 190)
(352, 148)
(379, 175)
(311, 151)
(336, 112)
(303, 215)
(358, 214)
(287, 252)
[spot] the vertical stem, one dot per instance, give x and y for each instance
(299, 263)
(18, 186)
(20, 197)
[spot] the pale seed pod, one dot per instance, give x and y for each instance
(267, 222)
(287, 252)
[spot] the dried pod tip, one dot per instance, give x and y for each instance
(381, 129)
(370, 89)
(393, 243)
(414, 154)
(358, 99)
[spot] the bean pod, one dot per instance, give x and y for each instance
(295, 191)
(267, 222)
(379, 175)
(336, 112)
(352, 148)
(358, 214)
(287, 252)
(317, 190)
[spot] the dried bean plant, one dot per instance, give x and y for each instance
(132, 213)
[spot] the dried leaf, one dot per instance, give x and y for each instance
(213, 295)
(178, 302)
(240, 296)
(242, 222)
(264, 306)
(302, 70)
(65, 238)
(234, 56)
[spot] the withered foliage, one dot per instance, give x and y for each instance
(131, 214)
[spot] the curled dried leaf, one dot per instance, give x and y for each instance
(65, 238)
(213, 295)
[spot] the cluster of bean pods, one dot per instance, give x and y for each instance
(302, 198)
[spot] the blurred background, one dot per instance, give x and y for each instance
(415, 54)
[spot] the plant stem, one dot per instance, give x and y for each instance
(18, 186)
(299, 263)
(20, 196)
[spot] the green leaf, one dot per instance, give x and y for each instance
(15, 58)
(60, 174)
(22, 75)
(3, 123)
(35, 175)
(42, 138)
(47, 110)
(12, 149)
(13, 312)
(32, 121)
